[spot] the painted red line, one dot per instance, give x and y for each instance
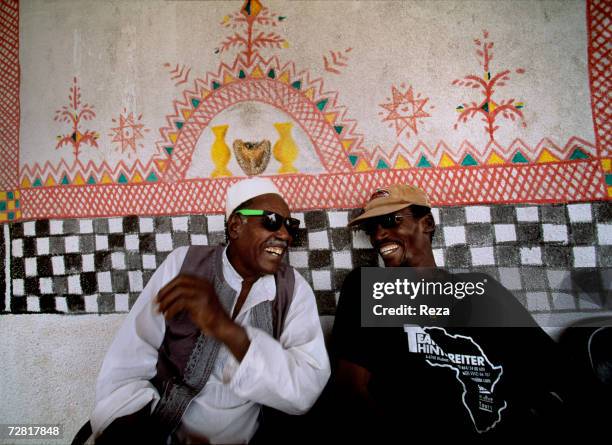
(11, 74)
(573, 181)
(10, 23)
(11, 49)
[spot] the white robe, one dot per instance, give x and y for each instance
(288, 374)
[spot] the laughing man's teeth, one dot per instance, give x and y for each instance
(278, 251)
(387, 249)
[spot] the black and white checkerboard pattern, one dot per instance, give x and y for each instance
(2, 277)
(101, 265)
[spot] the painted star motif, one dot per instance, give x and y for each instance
(128, 132)
(404, 110)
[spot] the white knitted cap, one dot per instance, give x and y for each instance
(247, 189)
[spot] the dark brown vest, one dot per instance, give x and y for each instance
(186, 356)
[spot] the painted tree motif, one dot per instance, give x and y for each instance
(490, 109)
(74, 113)
(251, 39)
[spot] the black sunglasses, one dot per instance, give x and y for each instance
(273, 221)
(388, 221)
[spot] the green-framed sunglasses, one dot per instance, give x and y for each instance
(273, 221)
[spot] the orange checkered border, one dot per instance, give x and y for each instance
(600, 74)
(580, 180)
(9, 94)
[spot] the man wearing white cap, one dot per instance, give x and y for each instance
(216, 333)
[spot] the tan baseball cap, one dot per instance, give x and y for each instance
(391, 199)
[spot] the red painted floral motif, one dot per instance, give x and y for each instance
(74, 113)
(487, 106)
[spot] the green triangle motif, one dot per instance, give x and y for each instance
(169, 150)
(37, 183)
(321, 104)
(353, 159)
(382, 164)
(65, 180)
(122, 179)
(216, 85)
(195, 103)
(469, 161)
(152, 177)
(485, 107)
(241, 74)
(518, 158)
(423, 162)
(91, 180)
(338, 129)
(271, 74)
(179, 124)
(297, 84)
(578, 154)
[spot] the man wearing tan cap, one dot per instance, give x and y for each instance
(392, 384)
(217, 333)
(405, 209)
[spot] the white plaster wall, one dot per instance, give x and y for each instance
(49, 364)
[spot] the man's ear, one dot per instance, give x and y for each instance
(234, 226)
(428, 224)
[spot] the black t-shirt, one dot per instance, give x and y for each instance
(452, 382)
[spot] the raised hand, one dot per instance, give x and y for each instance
(197, 296)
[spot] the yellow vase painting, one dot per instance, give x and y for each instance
(220, 152)
(285, 150)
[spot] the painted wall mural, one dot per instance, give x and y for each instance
(9, 111)
(330, 102)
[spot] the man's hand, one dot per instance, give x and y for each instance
(198, 297)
